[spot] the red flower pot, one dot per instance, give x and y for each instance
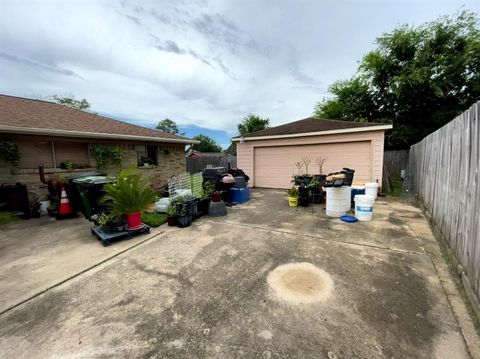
(216, 197)
(134, 221)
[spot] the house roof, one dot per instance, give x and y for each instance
(29, 116)
(204, 154)
(313, 126)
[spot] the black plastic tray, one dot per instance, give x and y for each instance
(108, 237)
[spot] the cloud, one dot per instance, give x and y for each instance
(171, 46)
(38, 65)
(200, 63)
(221, 29)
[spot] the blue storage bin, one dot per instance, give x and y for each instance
(357, 190)
(239, 195)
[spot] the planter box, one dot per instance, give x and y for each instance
(184, 221)
(202, 207)
(172, 221)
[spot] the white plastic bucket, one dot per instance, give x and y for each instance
(44, 207)
(337, 201)
(371, 189)
(364, 207)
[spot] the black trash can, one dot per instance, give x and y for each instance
(89, 190)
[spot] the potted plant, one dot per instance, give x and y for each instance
(111, 222)
(315, 188)
(216, 196)
(128, 196)
(303, 179)
(171, 215)
(292, 196)
(202, 205)
(182, 212)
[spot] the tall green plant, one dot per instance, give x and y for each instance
(9, 151)
(179, 206)
(418, 78)
(105, 155)
(131, 193)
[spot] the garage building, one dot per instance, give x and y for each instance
(269, 156)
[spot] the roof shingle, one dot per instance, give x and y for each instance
(39, 114)
(310, 124)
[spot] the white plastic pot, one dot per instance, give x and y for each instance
(338, 201)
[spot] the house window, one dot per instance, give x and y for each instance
(146, 155)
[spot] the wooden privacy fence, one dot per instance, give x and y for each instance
(445, 167)
(395, 162)
(200, 163)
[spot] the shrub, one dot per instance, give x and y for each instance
(131, 193)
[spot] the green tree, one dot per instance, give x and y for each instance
(168, 126)
(418, 78)
(252, 123)
(71, 102)
(232, 149)
(207, 144)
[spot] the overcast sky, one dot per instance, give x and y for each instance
(204, 64)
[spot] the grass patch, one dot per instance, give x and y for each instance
(7, 217)
(397, 185)
(154, 219)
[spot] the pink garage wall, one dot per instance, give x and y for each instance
(272, 162)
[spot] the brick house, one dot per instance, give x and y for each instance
(51, 135)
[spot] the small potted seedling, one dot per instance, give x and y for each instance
(182, 212)
(315, 190)
(171, 215)
(111, 222)
(203, 203)
(292, 196)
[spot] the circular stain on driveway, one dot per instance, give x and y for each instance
(299, 283)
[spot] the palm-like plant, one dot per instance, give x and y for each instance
(131, 193)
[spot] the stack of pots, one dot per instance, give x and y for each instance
(339, 193)
(338, 201)
(309, 189)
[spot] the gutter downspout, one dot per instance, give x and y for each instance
(53, 155)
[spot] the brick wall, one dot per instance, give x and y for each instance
(171, 161)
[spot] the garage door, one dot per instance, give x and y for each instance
(275, 166)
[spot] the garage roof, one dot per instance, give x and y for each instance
(312, 126)
(30, 116)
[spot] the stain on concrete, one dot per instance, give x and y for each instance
(265, 334)
(394, 219)
(300, 283)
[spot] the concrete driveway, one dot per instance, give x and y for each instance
(267, 281)
(40, 253)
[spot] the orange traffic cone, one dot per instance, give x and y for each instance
(65, 209)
